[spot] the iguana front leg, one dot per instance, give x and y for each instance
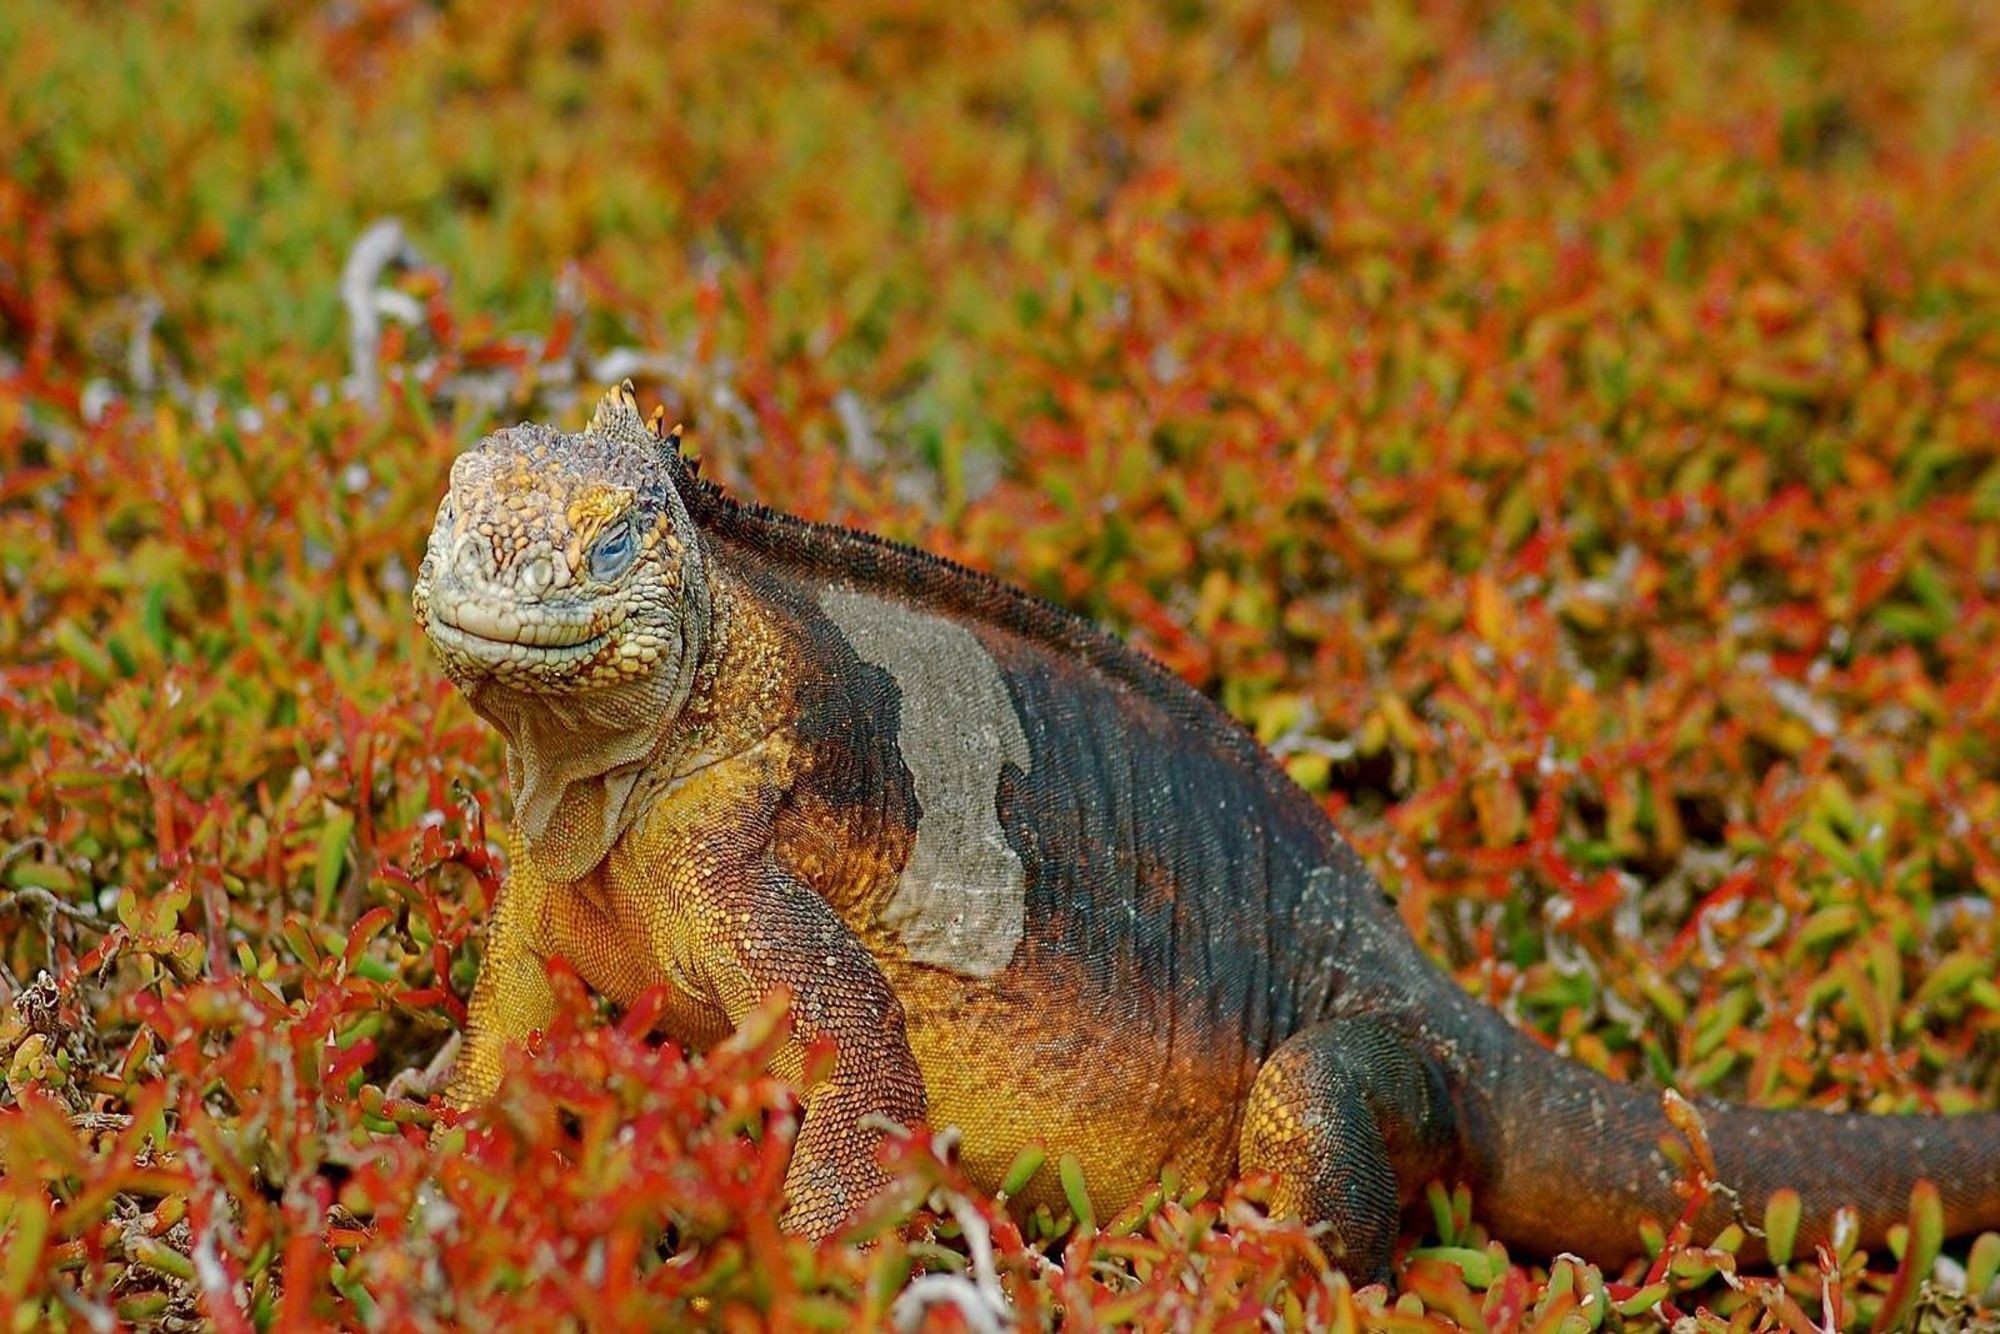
(725, 923)
(758, 929)
(512, 998)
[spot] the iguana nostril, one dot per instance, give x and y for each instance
(540, 574)
(468, 558)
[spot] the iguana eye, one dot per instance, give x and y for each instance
(613, 553)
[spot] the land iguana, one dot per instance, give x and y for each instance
(1031, 884)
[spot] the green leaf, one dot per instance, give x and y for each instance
(1476, 1266)
(1642, 1301)
(333, 836)
(1071, 1172)
(1982, 1266)
(1026, 1163)
(1781, 1224)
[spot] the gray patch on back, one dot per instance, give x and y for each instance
(962, 900)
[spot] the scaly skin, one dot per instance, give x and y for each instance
(1031, 884)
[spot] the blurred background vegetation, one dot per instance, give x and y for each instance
(1568, 433)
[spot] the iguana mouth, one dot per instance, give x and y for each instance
(489, 634)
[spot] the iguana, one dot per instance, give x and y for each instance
(1031, 884)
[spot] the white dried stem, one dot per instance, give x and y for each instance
(980, 1299)
(380, 246)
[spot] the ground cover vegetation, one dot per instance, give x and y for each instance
(1568, 434)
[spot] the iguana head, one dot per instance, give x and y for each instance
(564, 569)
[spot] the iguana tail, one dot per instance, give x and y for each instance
(1564, 1158)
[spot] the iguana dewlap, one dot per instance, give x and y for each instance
(1031, 884)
